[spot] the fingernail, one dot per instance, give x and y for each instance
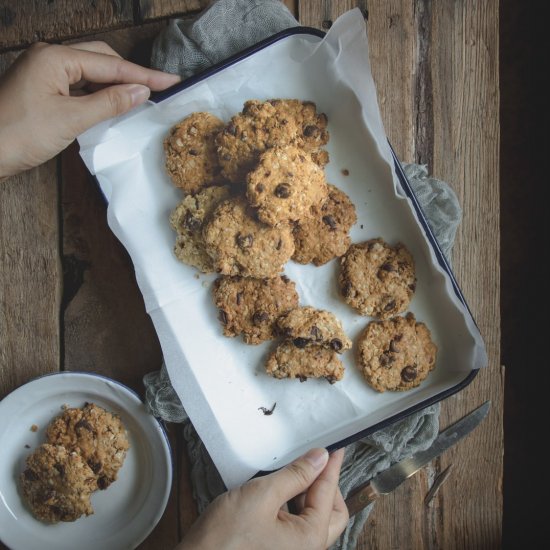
(138, 93)
(317, 458)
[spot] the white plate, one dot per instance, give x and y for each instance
(127, 511)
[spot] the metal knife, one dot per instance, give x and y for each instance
(388, 480)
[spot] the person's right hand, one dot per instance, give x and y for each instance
(252, 517)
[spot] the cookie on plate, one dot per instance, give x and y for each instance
(251, 306)
(289, 361)
(397, 354)
(98, 435)
(285, 185)
(377, 279)
(240, 244)
(307, 326)
(325, 235)
(248, 134)
(190, 152)
(188, 220)
(57, 484)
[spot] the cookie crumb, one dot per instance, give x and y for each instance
(345, 172)
(34, 428)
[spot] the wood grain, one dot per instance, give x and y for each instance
(30, 273)
(436, 73)
(25, 21)
(153, 9)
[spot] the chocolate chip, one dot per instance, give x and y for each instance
(412, 287)
(103, 482)
(245, 241)
(284, 121)
(239, 298)
(346, 289)
(226, 156)
(345, 172)
(260, 317)
(279, 244)
(310, 130)
(282, 191)
(408, 374)
(336, 344)
(95, 466)
(302, 378)
(389, 306)
(193, 152)
(56, 510)
(260, 188)
(191, 223)
(330, 221)
(388, 267)
(61, 469)
(84, 425)
(316, 333)
(300, 342)
(385, 360)
(223, 316)
(393, 347)
(231, 129)
(285, 279)
(30, 475)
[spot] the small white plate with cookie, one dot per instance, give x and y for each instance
(122, 514)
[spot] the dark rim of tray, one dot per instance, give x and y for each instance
(157, 97)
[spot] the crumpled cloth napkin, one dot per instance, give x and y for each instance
(187, 47)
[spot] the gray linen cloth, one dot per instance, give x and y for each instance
(187, 47)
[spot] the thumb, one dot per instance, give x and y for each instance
(107, 103)
(298, 475)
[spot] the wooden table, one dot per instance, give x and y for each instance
(69, 299)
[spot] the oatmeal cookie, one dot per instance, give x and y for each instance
(240, 244)
(325, 235)
(289, 361)
(285, 185)
(190, 151)
(250, 306)
(397, 354)
(188, 220)
(377, 279)
(98, 435)
(57, 484)
(307, 326)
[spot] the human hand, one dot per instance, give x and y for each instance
(52, 93)
(252, 517)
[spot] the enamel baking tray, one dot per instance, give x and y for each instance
(221, 381)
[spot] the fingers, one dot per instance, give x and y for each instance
(109, 69)
(298, 476)
(96, 46)
(319, 500)
(339, 518)
(107, 103)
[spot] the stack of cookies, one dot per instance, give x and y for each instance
(255, 192)
(256, 197)
(85, 449)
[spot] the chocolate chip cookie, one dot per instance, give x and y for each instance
(240, 244)
(250, 306)
(98, 435)
(289, 361)
(307, 326)
(190, 151)
(397, 354)
(286, 185)
(188, 220)
(57, 484)
(325, 235)
(377, 279)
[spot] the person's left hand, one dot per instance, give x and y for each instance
(52, 93)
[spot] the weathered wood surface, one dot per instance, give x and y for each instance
(68, 294)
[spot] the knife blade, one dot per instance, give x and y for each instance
(388, 480)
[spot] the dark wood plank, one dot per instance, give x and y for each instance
(25, 21)
(30, 273)
(435, 68)
(153, 9)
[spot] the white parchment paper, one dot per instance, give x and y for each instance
(221, 381)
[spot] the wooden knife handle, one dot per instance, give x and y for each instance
(361, 497)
